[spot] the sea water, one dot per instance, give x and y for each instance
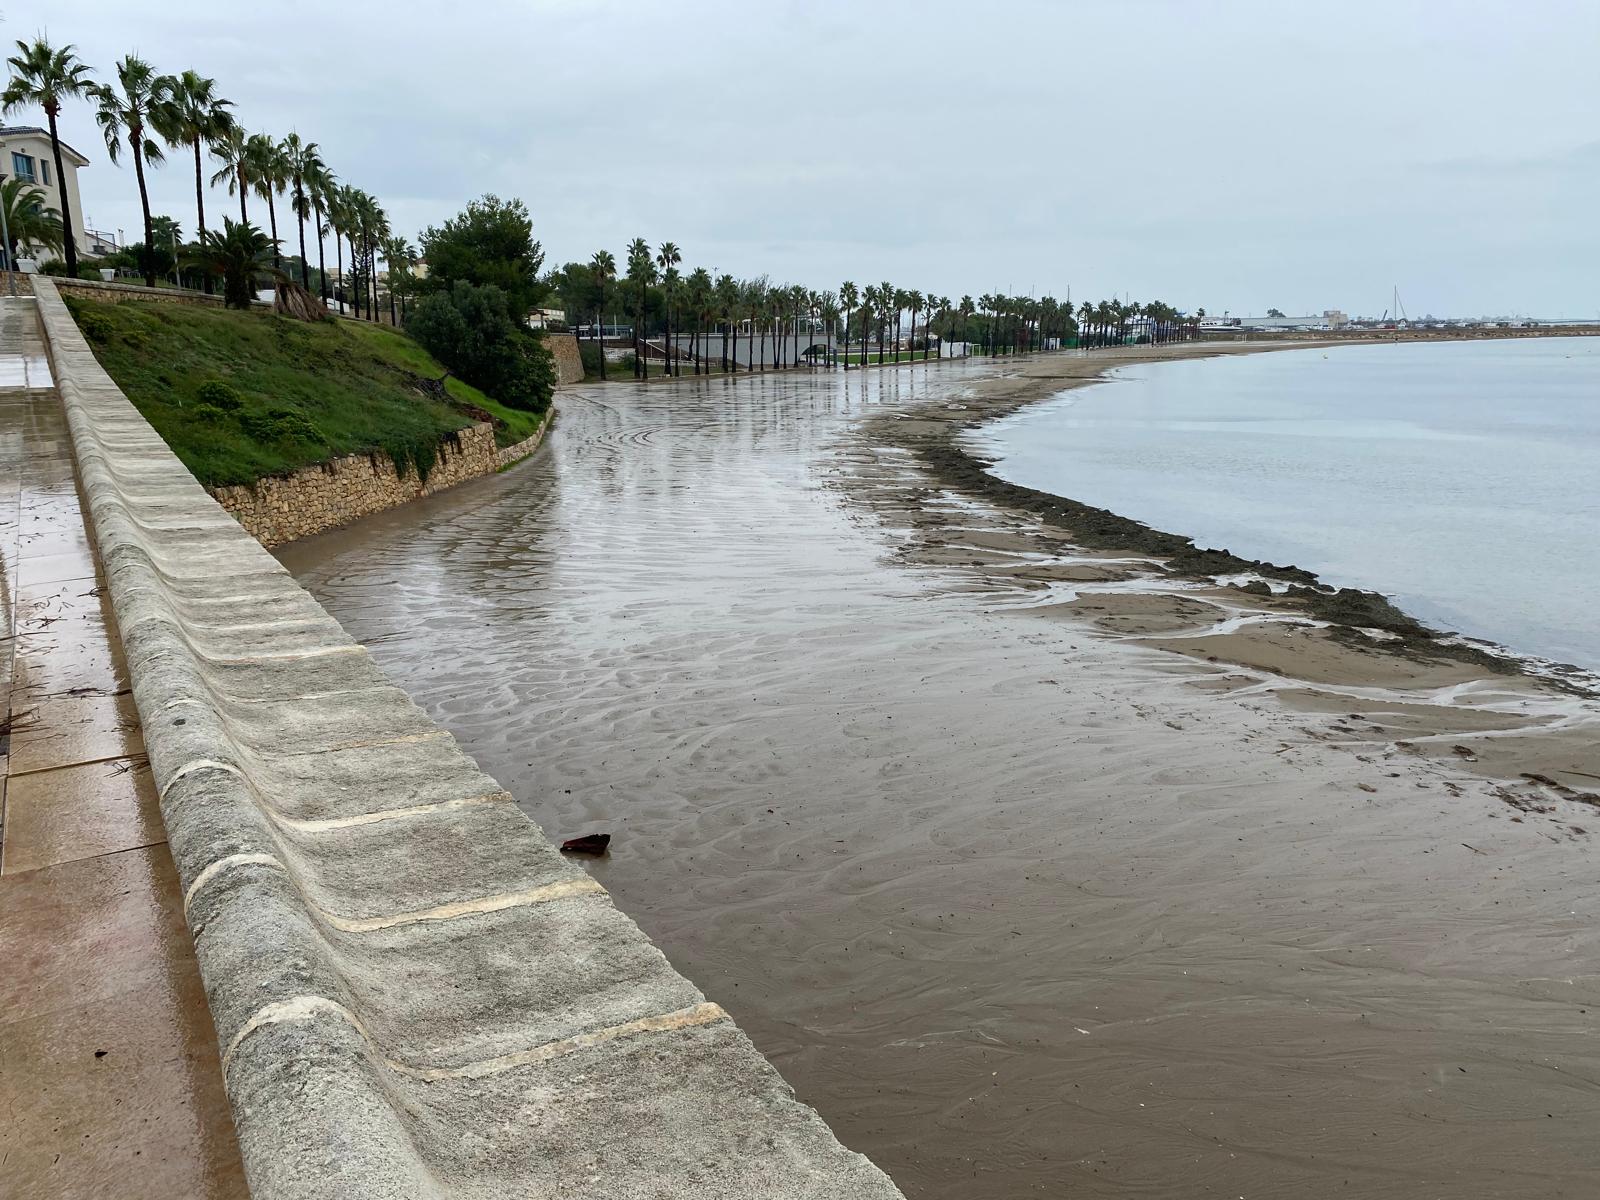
(1460, 478)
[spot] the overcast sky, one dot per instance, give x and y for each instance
(1231, 154)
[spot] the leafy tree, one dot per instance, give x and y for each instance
(45, 76)
(1274, 312)
(241, 256)
(474, 331)
(491, 243)
(125, 116)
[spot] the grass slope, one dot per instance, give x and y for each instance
(306, 392)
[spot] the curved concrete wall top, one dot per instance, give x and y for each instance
(416, 995)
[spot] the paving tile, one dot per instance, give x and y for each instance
(64, 730)
(62, 605)
(119, 1097)
(79, 812)
(55, 568)
(62, 662)
(51, 539)
(85, 931)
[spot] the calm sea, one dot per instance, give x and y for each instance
(1462, 478)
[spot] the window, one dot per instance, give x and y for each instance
(22, 166)
(44, 171)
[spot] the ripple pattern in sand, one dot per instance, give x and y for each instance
(1020, 908)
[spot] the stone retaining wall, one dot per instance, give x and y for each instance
(417, 997)
(279, 509)
(569, 363)
(113, 292)
(282, 508)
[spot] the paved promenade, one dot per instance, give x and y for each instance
(110, 1082)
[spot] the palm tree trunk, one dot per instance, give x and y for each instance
(322, 262)
(305, 271)
(244, 188)
(200, 207)
(134, 137)
(69, 244)
(338, 251)
(272, 215)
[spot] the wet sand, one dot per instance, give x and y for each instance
(1022, 901)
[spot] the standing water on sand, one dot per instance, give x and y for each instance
(1459, 478)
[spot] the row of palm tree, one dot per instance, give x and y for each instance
(143, 111)
(782, 318)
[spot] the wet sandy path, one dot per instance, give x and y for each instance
(1021, 909)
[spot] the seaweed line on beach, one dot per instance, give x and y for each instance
(1347, 612)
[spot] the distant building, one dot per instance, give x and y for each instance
(25, 154)
(1331, 318)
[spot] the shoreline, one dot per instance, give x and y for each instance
(1347, 610)
(1317, 645)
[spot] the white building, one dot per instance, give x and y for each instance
(25, 154)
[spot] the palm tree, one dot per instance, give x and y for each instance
(341, 216)
(672, 289)
(727, 302)
(45, 76)
(300, 159)
(241, 255)
(398, 254)
(849, 296)
(268, 175)
(29, 220)
(125, 116)
(372, 225)
(828, 310)
(755, 306)
(192, 114)
(604, 267)
(699, 289)
(667, 259)
(641, 274)
(232, 150)
(869, 308)
(967, 308)
(323, 186)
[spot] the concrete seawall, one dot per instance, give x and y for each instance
(415, 994)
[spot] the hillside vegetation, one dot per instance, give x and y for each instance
(242, 395)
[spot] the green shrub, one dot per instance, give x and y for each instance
(97, 327)
(210, 412)
(591, 353)
(280, 424)
(220, 394)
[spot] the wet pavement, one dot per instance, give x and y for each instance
(109, 1073)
